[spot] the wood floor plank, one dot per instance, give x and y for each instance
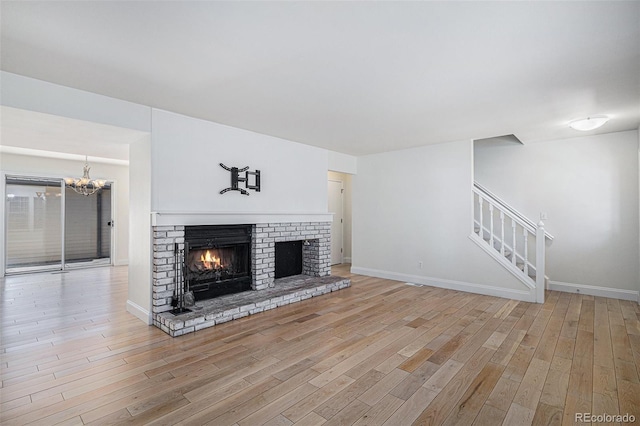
(503, 393)
(260, 401)
(378, 391)
(200, 412)
(573, 406)
(411, 408)
(530, 389)
(605, 404)
(547, 415)
(453, 392)
(416, 360)
(508, 348)
(475, 396)
(380, 341)
(35, 406)
(581, 375)
(489, 416)
(349, 414)
(380, 412)
(274, 409)
(302, 408)
(519, 416)
(383, 360)
(339, 401)
(556, 384)
(379, 352)
(628, 398)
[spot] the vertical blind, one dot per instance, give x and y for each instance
(33, 216)
(87, 230)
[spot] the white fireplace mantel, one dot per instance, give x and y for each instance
(230, 218)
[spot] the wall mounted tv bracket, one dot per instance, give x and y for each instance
(235, 179)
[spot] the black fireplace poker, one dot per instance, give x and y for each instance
(178, 301)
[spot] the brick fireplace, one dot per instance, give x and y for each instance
(316, 256)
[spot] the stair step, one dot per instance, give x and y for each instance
(496, 246)
(507, 255)
(532, 273)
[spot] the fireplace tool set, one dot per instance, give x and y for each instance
(182, 297)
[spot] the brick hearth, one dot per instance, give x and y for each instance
(207, 313)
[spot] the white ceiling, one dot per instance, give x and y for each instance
(355, 77)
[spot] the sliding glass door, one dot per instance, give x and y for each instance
(50, 227)
(87, 230)
(33, 217)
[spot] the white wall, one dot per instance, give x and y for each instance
(415, 206)
(186, 176)
(342, 163)
(588, 186)
(58, 168)
(140, 259)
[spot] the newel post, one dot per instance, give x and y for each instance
(540, 262)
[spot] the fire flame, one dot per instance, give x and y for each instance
(210, 262)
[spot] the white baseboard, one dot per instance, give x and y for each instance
(139, 312)
(524, 295)
(121, 262)
(592, 290)
(346, 260)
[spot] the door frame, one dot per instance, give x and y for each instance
(341, 182)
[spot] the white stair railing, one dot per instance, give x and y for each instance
(511, 238)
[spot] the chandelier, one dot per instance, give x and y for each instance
(85, 185)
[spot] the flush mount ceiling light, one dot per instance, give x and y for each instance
(589, 123)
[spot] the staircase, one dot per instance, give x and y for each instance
(512, 239)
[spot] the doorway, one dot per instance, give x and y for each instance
(50, 227)
(336, 206)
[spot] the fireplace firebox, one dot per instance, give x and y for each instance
(288, 259)
(217, 260)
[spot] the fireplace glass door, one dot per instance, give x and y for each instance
(217, 260)
(213, 272)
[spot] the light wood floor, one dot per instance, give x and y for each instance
(380, 352)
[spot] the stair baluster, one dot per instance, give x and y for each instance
(525, 235)
(513, 244)
(502, 232)
(480, 230)
(491, 226)
(540, 262)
